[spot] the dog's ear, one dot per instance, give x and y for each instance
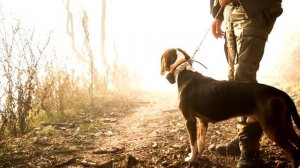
(167, 59)
(163, 65)
(187, 57)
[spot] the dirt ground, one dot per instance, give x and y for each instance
(147, 132)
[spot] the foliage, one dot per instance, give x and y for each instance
(35, 86)
(30, 82)
(20, 60)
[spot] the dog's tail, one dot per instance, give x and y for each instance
(293, 110)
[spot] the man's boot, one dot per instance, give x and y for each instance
(249, 137)
(231, 148)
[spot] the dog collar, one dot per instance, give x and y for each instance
(176, 65)
(181, 67)
(179, 61)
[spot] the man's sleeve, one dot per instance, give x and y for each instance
(254, 7)
(215, 8)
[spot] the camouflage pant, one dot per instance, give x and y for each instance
(245, 41)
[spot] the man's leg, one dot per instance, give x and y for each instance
(249, 50)
(246, 145)
(230, 52)
(249, 137)
(231, 148)
(250, 35)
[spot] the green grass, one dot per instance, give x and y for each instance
(75, 111)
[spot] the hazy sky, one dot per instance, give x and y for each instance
(143, 29)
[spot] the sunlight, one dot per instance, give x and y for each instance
(95, 98)
(140, 30)
(144, 31)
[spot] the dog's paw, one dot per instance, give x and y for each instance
(190, 158)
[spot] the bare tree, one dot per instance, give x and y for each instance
(87, 55)
(71, 33)
(87, 44)
(103, 36)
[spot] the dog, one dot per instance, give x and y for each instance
(212, 101)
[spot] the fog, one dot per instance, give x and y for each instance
(140, 30)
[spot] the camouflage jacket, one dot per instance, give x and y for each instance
(252, 7)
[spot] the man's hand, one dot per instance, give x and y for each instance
(216, 28)
(224, 2)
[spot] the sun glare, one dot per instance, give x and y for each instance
(140, 31)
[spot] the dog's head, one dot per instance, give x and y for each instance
(170, 57)
(170, 60)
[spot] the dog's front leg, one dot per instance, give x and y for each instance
(191, 124)
(202, 129)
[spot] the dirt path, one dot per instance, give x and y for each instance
(134, 133)
(148, 132)
(138, 129)
(155, 136)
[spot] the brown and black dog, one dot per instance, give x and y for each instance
(212, 101)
